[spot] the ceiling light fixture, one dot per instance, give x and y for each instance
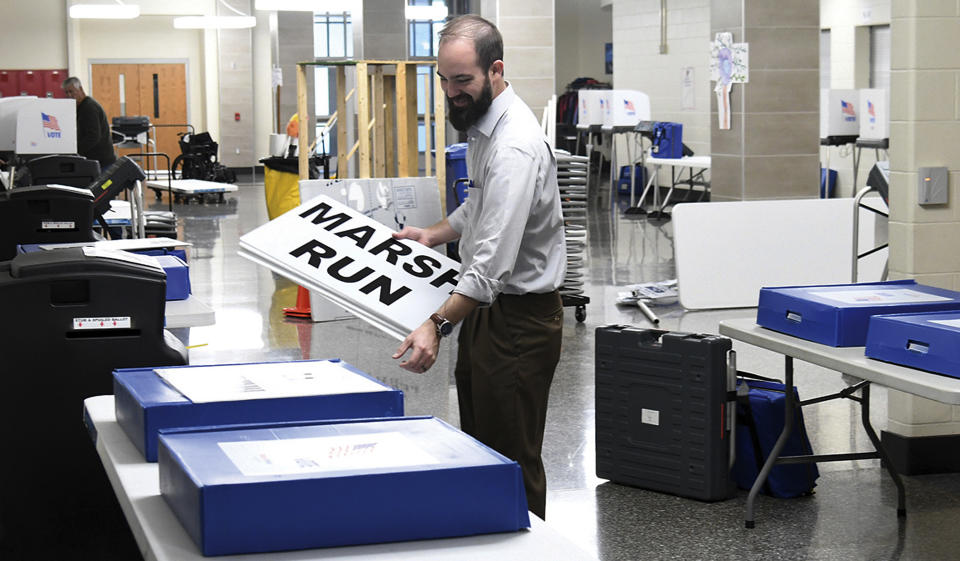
(318, 6)
(436, 12)
(104, 11)
(214, 22)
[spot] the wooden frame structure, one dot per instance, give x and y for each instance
(387, 120)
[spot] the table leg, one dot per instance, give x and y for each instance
(865, 417)
(788, 417)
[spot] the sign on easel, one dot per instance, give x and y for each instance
(728, 66)
(355, 262)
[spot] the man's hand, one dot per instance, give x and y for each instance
(425, 342)
(415, 234)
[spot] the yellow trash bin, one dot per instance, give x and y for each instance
(282, 191)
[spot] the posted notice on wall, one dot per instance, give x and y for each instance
(355, 262)
(238, 382)
(875, 296)
(325, 454)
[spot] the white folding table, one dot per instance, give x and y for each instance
(677, 167)
(846, 360)
(161, 537)
(186, 189)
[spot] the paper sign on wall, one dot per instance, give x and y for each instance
(354, 261)
(728, 66)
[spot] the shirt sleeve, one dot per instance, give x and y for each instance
(508, 195)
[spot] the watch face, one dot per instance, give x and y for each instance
(446, 328)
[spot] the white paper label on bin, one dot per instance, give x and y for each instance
(875, 296)
(57, 225)
(111, 322)
(238, 382)
(650, 417)
(326, 453)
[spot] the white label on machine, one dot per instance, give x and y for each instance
(947, 322)
(405, 196)
(119, 322)
(327, 453)
(57, 225)
(650, 417)
(237, 382)
(874, 296)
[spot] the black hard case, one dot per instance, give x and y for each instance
(662, 415)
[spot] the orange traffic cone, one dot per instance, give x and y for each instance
(302, 309)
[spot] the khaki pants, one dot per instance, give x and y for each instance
(505, 363)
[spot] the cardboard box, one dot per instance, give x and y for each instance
(838, 314)
(299, 485)
(178, 276)
(838, 113)
(929, 341)
(146, 402)
(874, 114)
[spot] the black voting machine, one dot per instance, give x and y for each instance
(72, 316)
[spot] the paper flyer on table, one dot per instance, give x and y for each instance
(237, 382)
(874, 296)
(354, 261)
(327, 453)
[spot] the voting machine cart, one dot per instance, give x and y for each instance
(71, 316)
(44, 214)
(665, 411)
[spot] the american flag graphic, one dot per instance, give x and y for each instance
(628, 105)
(847, 108)
(50, 122)
(870, 109)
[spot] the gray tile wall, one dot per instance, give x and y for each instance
(772, 148)
(237, 137)
(295, 31)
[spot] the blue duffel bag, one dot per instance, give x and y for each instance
(760, 418)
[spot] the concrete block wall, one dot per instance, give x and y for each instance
(528, 49)
(771, 149)
(924, 131)
(638, 64)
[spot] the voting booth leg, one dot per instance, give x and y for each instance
(302, 309)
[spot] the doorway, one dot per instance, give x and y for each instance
(156, 90)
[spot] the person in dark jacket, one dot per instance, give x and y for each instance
(93, 131)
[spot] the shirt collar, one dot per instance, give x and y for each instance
(498, 107)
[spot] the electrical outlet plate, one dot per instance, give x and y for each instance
(932, 186)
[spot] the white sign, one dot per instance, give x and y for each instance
(650, 417)
(238, 382)
(326, 453)
(948, 322)
(355, 262)
(110, 322)
(875, 296)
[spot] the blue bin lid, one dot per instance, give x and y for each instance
(457, 151)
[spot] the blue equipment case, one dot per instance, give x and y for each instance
(760, 414)
(178, 276)
(145, 403)
(667, 140)
(290, 486)
(663, 411)
(929, 341)
(837, 315)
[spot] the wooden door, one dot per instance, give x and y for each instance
(158, 91)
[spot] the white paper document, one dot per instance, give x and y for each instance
(875, 296)
(237, 382)
(326, 453)
(948, 322)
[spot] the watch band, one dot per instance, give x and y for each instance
(444, 327)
